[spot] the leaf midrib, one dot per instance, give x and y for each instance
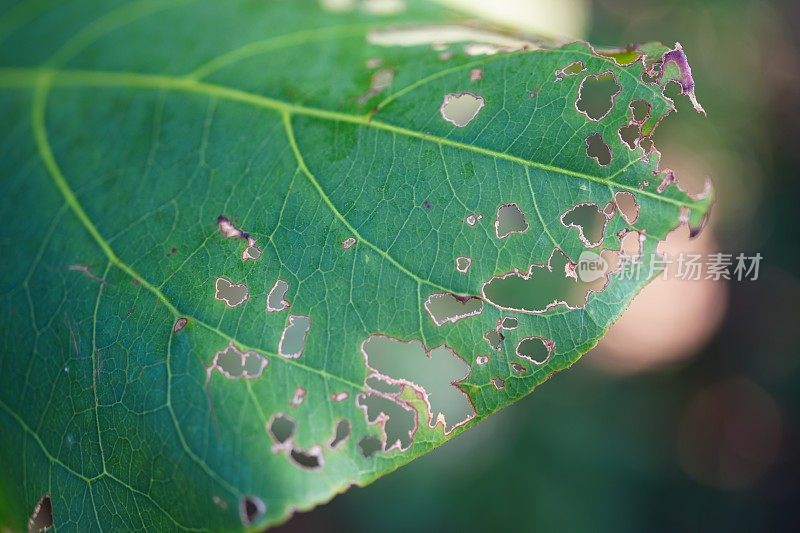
(30, 77)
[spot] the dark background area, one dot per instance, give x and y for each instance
(705, 434)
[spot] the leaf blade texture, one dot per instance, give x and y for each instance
(257, 252)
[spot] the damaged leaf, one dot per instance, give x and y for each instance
(248, 258)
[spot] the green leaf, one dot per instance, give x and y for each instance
(220, 219)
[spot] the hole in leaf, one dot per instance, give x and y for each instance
(498, 383)
(231, 293)
(597, 149)
(234, 364)
(339, 396)
(668, 179)
(340, 434)
(640, 110)
(298, 397)
(460, 108)
(629, 134)
(463, 264)
(230, 231)
(542, 287)
(509, 220)
(627, 205)
(311, 459)
(41, 518)
(589, 221)
(281, 429)
(535, 349)
(369, 446)
(293, 339)
(251, 510)
(482, 359)
(518, 368)
(509, 323)
(596, 95)
(473, 219)
(570, 70)
(276, 299)
(399, 422)
(252, 251)
(433, 373)
(632, 243)
(444, 307)
(495, 339)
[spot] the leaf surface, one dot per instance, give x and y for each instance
(245, 241)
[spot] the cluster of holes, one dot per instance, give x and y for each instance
(431, 374)
(282, 430)
(472, 219)
(397, 420)
(595, 100)
(229, 230)
(236, 364)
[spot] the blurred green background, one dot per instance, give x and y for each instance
(686, 417)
